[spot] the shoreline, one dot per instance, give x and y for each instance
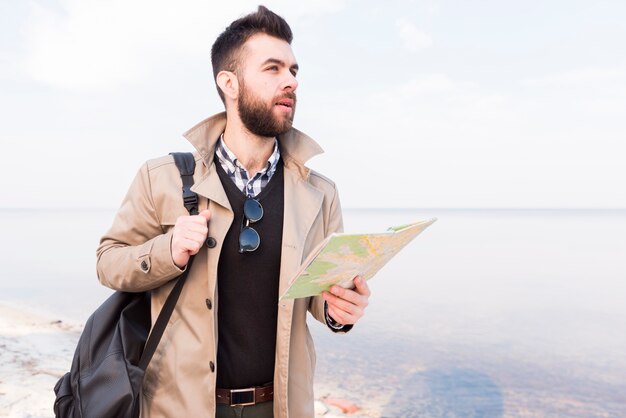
(36, 350)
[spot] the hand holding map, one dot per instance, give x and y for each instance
(341, 257)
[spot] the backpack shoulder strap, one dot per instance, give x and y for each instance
(186, 165)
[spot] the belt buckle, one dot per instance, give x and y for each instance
(242, 397)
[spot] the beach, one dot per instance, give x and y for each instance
(486, 314)
(35, 351)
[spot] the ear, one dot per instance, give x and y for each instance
(228, 83)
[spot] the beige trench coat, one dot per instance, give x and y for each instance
(134, 255)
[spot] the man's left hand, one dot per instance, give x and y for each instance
(347, 306)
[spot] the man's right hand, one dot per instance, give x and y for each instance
(188, 236)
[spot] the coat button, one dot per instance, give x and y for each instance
(144, 265)
(209, 305)
(212, 366)
(211, 242)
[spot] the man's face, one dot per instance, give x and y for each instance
(267, 86)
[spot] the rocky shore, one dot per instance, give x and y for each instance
(35, 351)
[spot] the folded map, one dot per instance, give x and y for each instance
(341, 257)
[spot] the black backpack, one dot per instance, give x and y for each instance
(113, 351)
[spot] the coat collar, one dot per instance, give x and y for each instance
(296, 147)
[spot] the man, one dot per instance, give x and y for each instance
(230, 341)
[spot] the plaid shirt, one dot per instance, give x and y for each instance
(239, 175)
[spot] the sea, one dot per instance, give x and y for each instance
(487, 313)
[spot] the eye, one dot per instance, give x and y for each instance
(272, 68)
(294, 72)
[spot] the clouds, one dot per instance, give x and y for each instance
(90, 45)
(414, 95)
(452, 140)
(580, 75)
(412, 38)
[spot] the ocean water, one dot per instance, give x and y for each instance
(488, 313)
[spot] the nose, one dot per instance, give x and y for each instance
(290, 83)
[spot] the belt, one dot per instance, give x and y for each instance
(244, 397)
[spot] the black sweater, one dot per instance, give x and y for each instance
(248, 290)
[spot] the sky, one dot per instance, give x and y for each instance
(418, 104)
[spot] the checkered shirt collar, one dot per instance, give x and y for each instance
(239, 175)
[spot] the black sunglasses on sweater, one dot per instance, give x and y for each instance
(249, 239)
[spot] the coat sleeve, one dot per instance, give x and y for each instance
(135, 255)
(334, 224)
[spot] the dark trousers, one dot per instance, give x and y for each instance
(260, 410)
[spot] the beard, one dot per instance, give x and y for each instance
(259, 118)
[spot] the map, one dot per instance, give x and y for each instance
(341, 257)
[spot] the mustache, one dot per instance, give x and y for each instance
(288, 95)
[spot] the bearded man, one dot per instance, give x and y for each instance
(231, 349)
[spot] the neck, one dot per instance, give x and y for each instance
(252, 151)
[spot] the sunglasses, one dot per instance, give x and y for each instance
(249, 239)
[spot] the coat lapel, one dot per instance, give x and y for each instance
(297, 222)
(211, 188)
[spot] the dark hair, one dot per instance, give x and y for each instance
(225, 50)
